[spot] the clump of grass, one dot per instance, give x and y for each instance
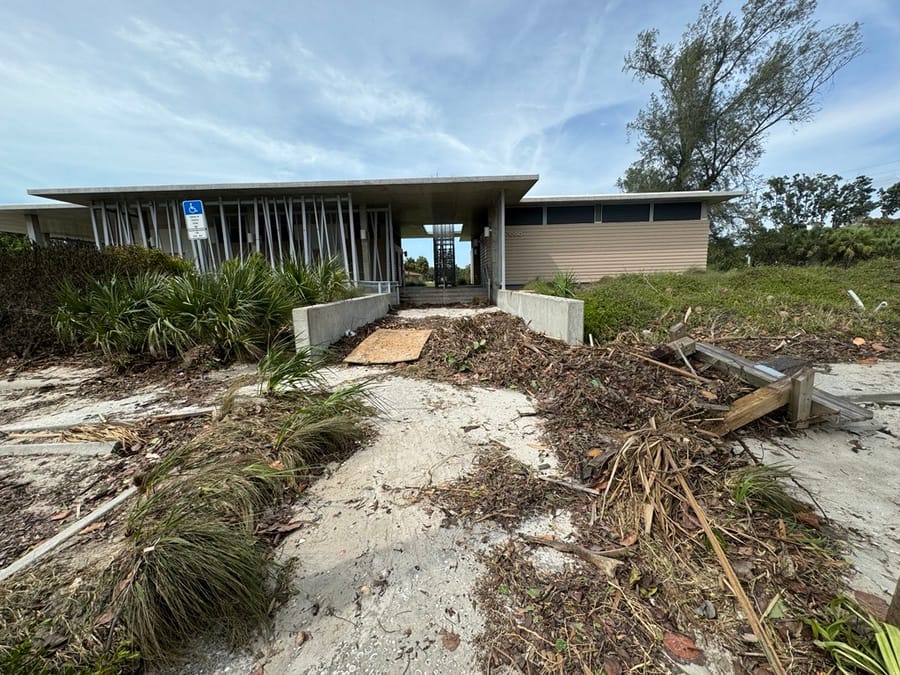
(195, 564)
(193, 574)
(759, 486)
(562, 285)
(284, 367)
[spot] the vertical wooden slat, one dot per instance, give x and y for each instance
(307, 254)
(176, 221)
(325, 228)
(289, 215)
(390, 218)
(353, 238)
(376, 255)
(140, 214)
(274, 204)
(240, 232)
(256, 221)
(104, 216)
(268, 223)
(226, 232)
(340, 211)
(94, 225)
(154, 221)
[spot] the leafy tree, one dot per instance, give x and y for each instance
(801, 201)
(853, 202)
(729, 81)
(419, 265)
(889, 200)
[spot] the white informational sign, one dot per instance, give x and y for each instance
(195, 219)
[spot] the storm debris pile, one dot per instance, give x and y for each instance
(638, 435)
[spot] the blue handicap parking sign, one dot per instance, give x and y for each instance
(193, 207)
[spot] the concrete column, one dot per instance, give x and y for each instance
(33, 228)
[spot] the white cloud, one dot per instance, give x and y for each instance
(211, 58)
(367, 98)
(355, 89)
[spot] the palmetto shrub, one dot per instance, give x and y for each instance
(326, 281)
(112, 315)
(237, 313)
(31, 276)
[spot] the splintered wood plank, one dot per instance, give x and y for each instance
(823, 403)
(390, 346)
(753, 406)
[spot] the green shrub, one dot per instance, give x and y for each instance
(30, 280)
(236, 313)
(113, 315)
(832, 246)
(776, 299)
(562, 285)
(13, 242)
(326, 281)
(723, 254)
(847, 245)
(137, 259)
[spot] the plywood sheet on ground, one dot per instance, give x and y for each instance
(390, 346)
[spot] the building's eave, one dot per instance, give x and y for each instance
(709, 196)
(518, 185)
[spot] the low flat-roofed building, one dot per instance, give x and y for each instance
(514, 238)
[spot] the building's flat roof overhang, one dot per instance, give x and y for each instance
(12, 216)
(414, 201)
(708, 196)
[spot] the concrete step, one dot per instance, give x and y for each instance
(424, 295)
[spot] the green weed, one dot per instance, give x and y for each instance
(856, 642)
(283, 367)
(755, 300)
(759, 486)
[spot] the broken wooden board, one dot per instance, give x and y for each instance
(823, 404)
(390, 346)
(753, 406)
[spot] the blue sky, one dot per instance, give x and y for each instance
(113, 93)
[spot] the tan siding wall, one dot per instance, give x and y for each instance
(595, 250)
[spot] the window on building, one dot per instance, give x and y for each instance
(525, 215)
(560, 215)
(625, 213)
(677, 211)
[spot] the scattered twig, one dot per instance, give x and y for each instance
(673, 369)
(602, 560)
(569, 484)
(733, 581)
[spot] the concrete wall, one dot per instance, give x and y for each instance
(559, 318)
(320, 325)
(595, 250)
